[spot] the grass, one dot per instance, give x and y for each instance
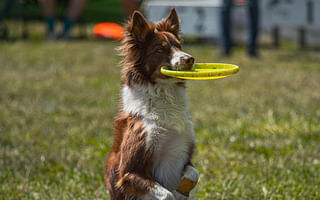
(257, 132)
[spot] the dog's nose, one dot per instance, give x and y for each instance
(187, 59)
(190, 60)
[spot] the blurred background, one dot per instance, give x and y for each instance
(257, 132)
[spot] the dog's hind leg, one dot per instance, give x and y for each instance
(158, 193)
(143, 189)
(135, 165)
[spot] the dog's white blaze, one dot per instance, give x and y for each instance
(164, 109)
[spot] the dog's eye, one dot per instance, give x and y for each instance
(160, 50)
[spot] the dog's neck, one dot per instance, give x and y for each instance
(164, 102)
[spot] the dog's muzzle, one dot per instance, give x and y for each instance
(181, 61)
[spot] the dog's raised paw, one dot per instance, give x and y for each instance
(188, 181)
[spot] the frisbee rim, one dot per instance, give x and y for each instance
(214, 71)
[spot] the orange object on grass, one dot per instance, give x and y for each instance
(108, 30)
(240, 1)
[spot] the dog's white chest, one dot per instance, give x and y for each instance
(169, 127)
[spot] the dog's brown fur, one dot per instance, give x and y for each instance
(128, 169)
(125, 174)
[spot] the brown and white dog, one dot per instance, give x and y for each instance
(154, 139)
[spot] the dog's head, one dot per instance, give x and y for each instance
(147, 47)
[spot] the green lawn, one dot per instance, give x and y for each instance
(257, 132)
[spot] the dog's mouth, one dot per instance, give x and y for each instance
(183, 65)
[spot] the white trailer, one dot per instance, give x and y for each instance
(200, 18)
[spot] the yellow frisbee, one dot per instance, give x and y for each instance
(203, 71)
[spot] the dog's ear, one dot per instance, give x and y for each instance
(174, 21)
(171, 23)
(139, 27)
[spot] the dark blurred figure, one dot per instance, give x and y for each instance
(253, 23)
(129, 6)
(75, 8)
(5, 6)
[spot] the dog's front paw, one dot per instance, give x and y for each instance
(191, 173)
(188, 181)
